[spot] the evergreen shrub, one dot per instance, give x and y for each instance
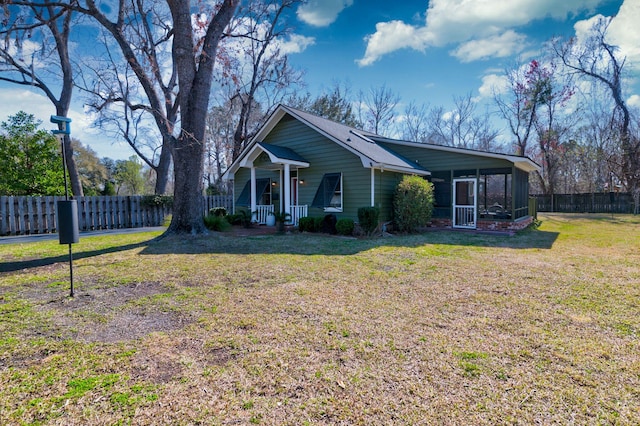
(368, 218)
(412, 204)
(345, 226)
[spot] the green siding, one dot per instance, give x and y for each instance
(385, 186)
(324, 156)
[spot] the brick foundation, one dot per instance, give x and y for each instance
(489, 225)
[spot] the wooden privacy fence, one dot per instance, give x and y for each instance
(596, 202)
(38, 215)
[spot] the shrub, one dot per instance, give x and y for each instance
(233, 219)
(157, 200)
(245, 218)
(317, 223)
(218, 211)
(281, 219)
(328, 224)
(216, 223)
(242, 217)
(307, 224)
(368, 218)
(412, 203)
(345, 226)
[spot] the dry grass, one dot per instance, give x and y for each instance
(439, 328)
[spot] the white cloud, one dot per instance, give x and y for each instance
(624, 33)
(13, 100)
(493, 84)
(463, 21)
(321, 13)
(624, 30)
(634, 101)
(296, 44)
(391, 36)
(499, 46)
(460, 20)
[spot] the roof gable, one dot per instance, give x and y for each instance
(282, 153)
(358, 142)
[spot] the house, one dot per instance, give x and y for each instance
(310, 166)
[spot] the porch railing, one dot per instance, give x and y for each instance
(297, 212)
(262, 212)
(465, 217)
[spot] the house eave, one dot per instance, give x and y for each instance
(398, 169)
(520, 162)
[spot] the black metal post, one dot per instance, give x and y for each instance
(63, 132)
(66, 197)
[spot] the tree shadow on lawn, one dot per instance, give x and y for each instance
(323, 244)
(301, 244)
(46, 261)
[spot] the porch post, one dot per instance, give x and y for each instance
(281, 192)
(287, 188)
(253, 195)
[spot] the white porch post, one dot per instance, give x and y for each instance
(373, 187)
(254, 204)
(281, 194)
(287, 188)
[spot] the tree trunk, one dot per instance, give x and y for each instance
(239, 134)
(195, 87)
(163, 168)
(74, 178)
(188, 167)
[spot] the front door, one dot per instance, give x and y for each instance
(294, 191)
(464, 203)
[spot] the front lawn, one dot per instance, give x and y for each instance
(439, 328)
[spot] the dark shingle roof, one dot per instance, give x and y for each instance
(357, 141)
(282, 152)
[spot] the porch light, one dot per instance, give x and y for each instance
(273, 183)
(301, 181)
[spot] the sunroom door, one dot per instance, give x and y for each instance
(465, 192)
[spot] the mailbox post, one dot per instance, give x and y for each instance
(68, 232)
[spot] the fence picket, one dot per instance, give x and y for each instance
(38, 215)
(3, 214)
(592, 202)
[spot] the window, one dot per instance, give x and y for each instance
(495, 193)
(329, 193)
(263, 193)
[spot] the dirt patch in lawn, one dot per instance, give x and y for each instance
(169, 358)
(108, 314)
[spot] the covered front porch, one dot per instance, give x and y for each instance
(278, 193)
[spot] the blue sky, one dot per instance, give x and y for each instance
(425, 51)
(429, 51)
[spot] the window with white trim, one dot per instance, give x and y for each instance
(329, 193)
